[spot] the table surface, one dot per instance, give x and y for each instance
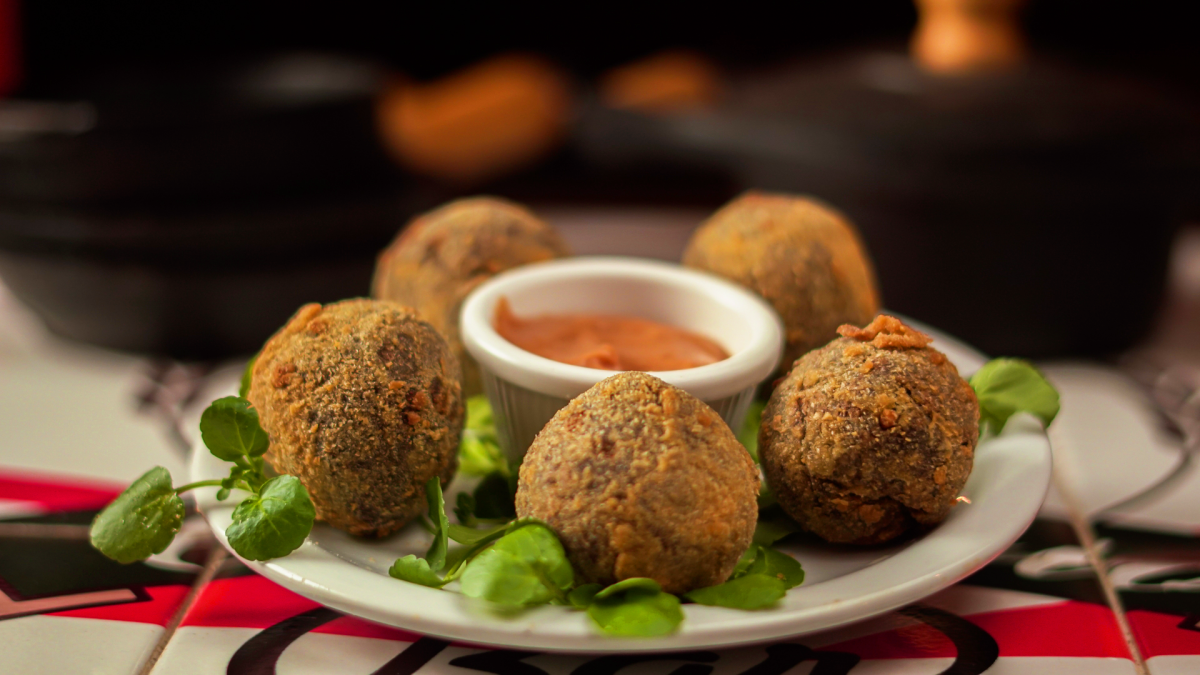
(1107, 580)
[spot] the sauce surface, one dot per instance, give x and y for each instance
(607, 342)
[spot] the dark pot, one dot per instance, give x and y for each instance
(1029, 213)
(195, 285)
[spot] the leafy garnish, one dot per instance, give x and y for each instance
(230, 429)
(464, 509)
(269, 523)
(583, 595)
(748, 434)
(273, 523)
(761, 577)
(744, 562)
(777, 564)
(1005, 387)
(414, 569)
(494, 498)
(635, 608)
(470, 536)
(766, 497)
(140, 522)
(457, 558)
(753, 591)
(525, 567)
(479, 451)
(773, 525)
(436, 555)
(247, 375)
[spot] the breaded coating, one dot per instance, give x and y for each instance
(801, 256)
(641, 479)
(870, 436)
(362, 403)
(444, 254)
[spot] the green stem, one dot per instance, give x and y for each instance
(190, 486)
(559, 594)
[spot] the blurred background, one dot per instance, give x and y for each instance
(176, 181)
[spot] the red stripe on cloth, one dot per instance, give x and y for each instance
(1069, 629)
(245, 602)
(255, 602)
(158, 610)
(1160, 635)
(57, 493)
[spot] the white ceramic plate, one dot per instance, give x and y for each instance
(843, 584)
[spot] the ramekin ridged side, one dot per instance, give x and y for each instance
(526, 390)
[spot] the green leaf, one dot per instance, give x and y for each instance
(766, 498)
(744, 562)
(637, 609)
(1005, 387)
(748, 434)
(230, 429)
(229, 482)
(631, 584)
(416, 570)
(479, 451)
(479, 414)
(479, 454)
(753, 591)
(470, 536)
(141, 521)
(247, 374)
(524, 567)
(773, 563)
(273, 523)
(773, 525)
(494, 498)
(583, 595)
(460, 556)
(436, 555)
(464, 508)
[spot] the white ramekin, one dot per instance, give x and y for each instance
(526, 390)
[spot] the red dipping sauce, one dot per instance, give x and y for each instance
(607, 342)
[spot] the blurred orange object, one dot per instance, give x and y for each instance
(665, 82)
(482, 121)
(958, 36)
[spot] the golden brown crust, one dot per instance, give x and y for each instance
(803, 257)
(640, 479)
(887, 332)
(860, 443)
(362, 402)
(444, 254)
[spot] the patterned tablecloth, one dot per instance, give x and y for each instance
(1107, 580)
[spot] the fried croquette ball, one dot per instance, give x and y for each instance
(870, 436)
(801, 256)
(362, 402)
(638, 478)
(444, 254)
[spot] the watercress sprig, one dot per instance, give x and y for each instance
(479, 451)
(1005, 387)
(748, 434)
(271, 522)
(635, 608)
